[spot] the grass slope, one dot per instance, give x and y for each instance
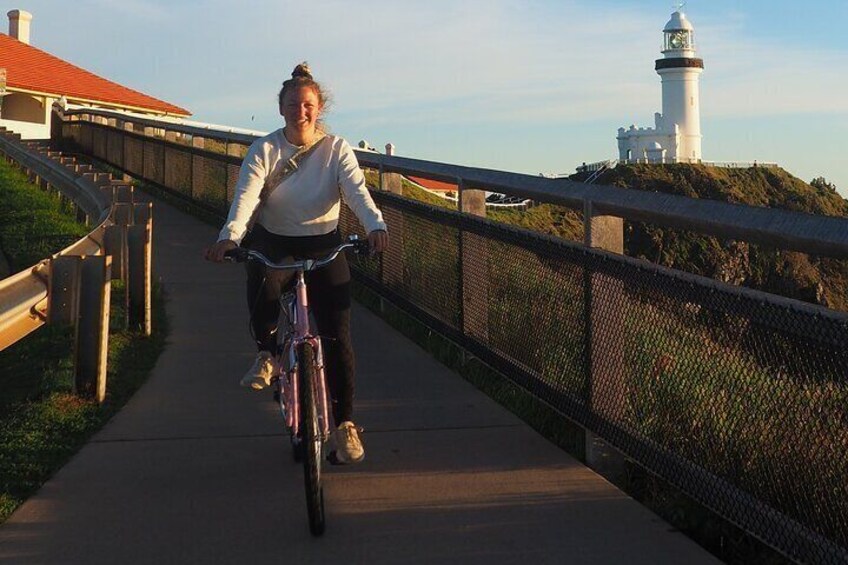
(42, 423)
(33, 224)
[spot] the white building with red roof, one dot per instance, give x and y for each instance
(35, 80)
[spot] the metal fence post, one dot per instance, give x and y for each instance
(604, 301)
(139, 244)
(474, 268)
(92, 328)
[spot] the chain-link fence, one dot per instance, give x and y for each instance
(738, 398)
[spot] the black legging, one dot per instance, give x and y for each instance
(329, 298)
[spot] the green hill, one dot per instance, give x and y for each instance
(786, 273)
(797, 275)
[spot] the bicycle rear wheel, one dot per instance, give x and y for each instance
(311, 436)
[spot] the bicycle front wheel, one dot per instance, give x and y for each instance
(311, 436)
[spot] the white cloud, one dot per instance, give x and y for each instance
(511, 62)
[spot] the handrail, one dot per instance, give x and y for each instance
(768, 226)
(228, 136)
(23, 296)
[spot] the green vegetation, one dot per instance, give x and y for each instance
(42, 423)
(544, 218)
(33, 224)
(796, 275)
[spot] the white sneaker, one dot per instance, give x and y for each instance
(348, 447)
(260, 374)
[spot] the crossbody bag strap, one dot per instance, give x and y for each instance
(281, 172)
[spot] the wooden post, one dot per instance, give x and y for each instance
(474, 265)
(92, 330)
(391, 261)
(122, 213)
(605, 306)
(63, 290)
(115, 243)
(391, 182)
(122, 194)
(115, 246)
(139, 244)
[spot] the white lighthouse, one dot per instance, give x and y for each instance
(676, 137)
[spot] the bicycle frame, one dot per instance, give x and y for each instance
(295, 307)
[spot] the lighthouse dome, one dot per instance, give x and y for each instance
(678, 21)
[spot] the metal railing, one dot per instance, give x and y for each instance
(735, 396)
(610, 163)
(72, 286)
(23, 296)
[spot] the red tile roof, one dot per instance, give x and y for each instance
(434, 184)
(30, 68)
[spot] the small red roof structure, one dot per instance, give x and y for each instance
(434, 185)
(31, 70)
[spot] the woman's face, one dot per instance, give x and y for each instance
(301, 109)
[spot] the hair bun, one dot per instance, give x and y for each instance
(302, 70)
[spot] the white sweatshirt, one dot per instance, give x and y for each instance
(307, 202)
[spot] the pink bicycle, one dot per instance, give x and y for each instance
(300, 388)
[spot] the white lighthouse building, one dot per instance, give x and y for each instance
(676, 135)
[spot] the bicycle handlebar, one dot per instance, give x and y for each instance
(242, 254)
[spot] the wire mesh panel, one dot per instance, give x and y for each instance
(737, 397)
(210, 180)
(115, 147)
(232, 180)
(98, 142)
(178, 170)
(154, 161)
(134, 155)
(752, 390)
(86, 138)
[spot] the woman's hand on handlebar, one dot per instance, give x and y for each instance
(215, 253)
(378, 240)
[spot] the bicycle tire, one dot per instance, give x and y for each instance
(311, 435)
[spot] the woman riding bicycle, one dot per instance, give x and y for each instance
(298, 217)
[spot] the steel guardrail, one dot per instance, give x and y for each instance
(24, 295)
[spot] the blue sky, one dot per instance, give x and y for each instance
(527, 86)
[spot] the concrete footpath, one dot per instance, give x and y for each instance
(198, 470)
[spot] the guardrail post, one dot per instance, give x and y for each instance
(474, 268)
(92, 331)
(139, 244)
(605, 307)
(63, 290)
